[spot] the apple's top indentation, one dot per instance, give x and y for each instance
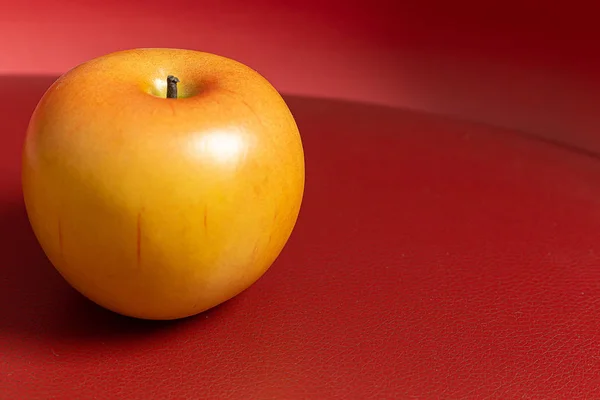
(158, 86)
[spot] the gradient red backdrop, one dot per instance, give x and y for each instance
(521, 64)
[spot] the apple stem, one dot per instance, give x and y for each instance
(172, 87)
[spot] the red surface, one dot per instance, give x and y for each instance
(432, 259)
(515, 63)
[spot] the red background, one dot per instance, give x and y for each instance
(432, 258)
(521, 64)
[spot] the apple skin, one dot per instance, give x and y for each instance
(161, 208)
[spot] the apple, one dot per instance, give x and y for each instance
(162, 182)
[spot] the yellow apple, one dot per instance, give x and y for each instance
(162, 182)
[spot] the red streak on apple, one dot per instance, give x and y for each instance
(206, 218)
(139, 239)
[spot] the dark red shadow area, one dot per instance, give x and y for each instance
(432, 259)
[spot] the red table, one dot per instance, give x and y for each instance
(432, 259)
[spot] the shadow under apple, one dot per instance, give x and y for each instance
(37, 301)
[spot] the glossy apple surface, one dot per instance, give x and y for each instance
(161, 208)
